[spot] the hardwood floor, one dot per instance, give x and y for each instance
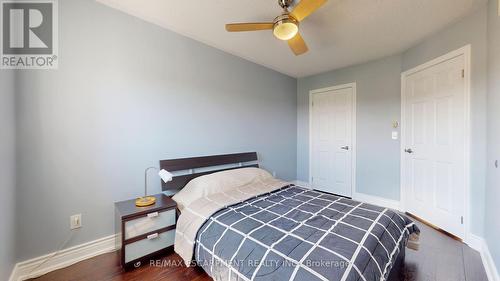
(440, 258)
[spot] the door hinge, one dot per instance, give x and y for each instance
(312, 179)
(462, 220)
(312, 104)
(463, 73)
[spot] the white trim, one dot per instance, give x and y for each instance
(479, 244)
(475, 242)
(301, 183)
(353, 130)
(466, 52)
(489, 263)
(35, 267)
(376, 200)
(363, 197)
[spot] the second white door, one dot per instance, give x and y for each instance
(332, 115)
(434, 171)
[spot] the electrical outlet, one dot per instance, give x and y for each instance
(75, 221)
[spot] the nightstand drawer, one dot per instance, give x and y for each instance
(153, 221)
(153, 243)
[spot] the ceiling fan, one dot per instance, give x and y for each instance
(285, 26)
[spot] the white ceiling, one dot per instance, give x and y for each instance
(339, 34)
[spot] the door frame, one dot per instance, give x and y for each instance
(353, 130)
(466, 52)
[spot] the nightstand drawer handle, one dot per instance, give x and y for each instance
(153, 215)
(152, 236)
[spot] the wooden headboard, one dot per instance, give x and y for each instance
(192, 163)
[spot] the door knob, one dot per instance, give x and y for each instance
(345, 147)
(408, 150)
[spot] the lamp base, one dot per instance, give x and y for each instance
(145, 201)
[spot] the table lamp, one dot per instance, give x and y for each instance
(150, 200)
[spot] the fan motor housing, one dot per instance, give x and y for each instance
(284, 18)
(285, 3)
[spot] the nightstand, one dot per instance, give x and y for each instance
(144, 233)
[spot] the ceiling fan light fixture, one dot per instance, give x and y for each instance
(285, 27)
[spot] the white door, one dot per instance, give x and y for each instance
(331, 140)
(435, 144)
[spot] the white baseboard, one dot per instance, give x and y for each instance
(376, 200)
(475, 242)
(301, 183)
(479, 244)
(36, 267)
(489, 263)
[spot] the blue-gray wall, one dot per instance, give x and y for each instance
(7, 173)
(127, 94)
(379, 103)
(492, 222)
(378, 94)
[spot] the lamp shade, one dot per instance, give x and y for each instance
(165, 175)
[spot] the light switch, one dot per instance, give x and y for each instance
(395, 135)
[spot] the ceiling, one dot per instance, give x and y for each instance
(339, 34)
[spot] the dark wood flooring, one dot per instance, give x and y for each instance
(440, 258)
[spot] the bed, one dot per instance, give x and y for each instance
(240, 223)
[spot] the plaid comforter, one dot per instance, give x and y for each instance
(295, 233)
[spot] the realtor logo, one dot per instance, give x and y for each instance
(29, 34)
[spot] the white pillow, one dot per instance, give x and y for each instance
(218, 182)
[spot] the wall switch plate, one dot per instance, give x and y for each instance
(75, 221)
(395, 135)
(274, 174)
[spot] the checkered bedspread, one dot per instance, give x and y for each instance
(298, 234)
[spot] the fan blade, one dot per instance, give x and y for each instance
(236, 27)
(305, 8)
(298, 45)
